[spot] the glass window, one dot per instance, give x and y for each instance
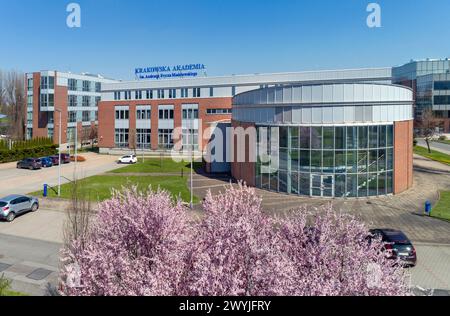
(390, 183)
(340, 161)
(352, 161)
(294, 159)
(305, 158)
(352, 138)
(363, 137)
(305, 137)
(382, 183)
(373, 136)
(316, 161)
(328, 137)
(352, 185)
(340, 190)
(339, 138)
(316, 138)
(305, 184)
(295, 181)
(382, 136)
(294, 135)
(283, 178)
(328, 161)
(362, 185)
(284, 137)
(373, 161)
(362, 161)
(390, 135)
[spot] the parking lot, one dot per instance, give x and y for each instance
(23, 181)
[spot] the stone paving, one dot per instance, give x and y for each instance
(404, 211)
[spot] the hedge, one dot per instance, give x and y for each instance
(33, 152)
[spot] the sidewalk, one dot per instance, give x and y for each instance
(425, 164)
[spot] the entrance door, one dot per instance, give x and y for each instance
(322, 185)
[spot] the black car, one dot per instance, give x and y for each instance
(398, 244)
(65, 158)
(29, 163)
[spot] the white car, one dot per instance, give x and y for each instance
(130, 159)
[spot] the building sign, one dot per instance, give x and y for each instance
(171, 72)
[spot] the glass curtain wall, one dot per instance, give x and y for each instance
(326, 161)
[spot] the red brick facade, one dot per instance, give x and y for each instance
(106, 117)
(244, 171)
(403, 156)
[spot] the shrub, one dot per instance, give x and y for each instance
(34, 152)
(144, 245)
(442, 138)
(415, 142)
(79, 158)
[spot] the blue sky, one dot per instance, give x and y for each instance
(229, 36)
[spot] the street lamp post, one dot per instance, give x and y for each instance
(192, 159)
(59, 153)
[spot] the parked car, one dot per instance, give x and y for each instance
(129, 159)
(14, 205)
(65, 158)
(46, 162)
(398, 244)
(29, 163)
(55, 160)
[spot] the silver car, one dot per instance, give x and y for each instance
(14, 205)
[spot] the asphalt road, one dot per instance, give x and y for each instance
(444, 148)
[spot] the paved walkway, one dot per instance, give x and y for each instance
(403, 211)
(442, 147)
(425, 164)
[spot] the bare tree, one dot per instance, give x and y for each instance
(132, 141)
(428, 125)
(93, 135)
(13, 102)
(78, 214)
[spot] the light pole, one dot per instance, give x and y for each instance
(59, 153)
(192, 158)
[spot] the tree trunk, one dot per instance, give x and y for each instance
(428, 145)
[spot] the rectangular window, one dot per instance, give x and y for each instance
(149, 94)
(190, 114)
(143, 138)
(190, 139)
(73, 101)
(86, 116)
(98, 87)
(86, 101)
(442, 99)
(442, 85)
(117, 95)
(160, 93)
(138, 95)
(165, 140)
(97, 101)
(72, 84)
(121, 138)
(184, 92)
(144, 114)
(211, 92)
(165, 114)
(72, 116)
(127, 95)
(196, 92)
(122, 114)
(172, 93)
(86, 86)
(30, 84)
(218, 111)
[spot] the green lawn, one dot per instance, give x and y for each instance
(442, 208)
(12, 293)
(98, 188)
(435, 155)
(444, 141)
(155, 165)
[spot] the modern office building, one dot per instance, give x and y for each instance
(430, 81)
(145, 113)
(325, 140)
(75, 97)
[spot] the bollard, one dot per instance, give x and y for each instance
(45, 190)
(428, 208)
